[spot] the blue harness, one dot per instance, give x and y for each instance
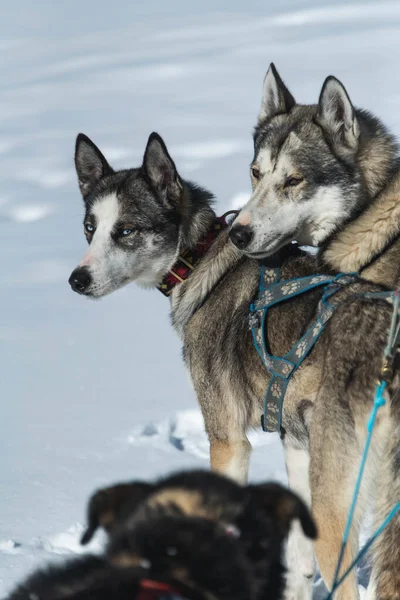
(273, 291)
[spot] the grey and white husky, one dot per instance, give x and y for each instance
(327, 175)
(138, 222)
(316, 168)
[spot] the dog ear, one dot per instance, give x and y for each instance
(160, 170)
(108, 506)
(91, 166)
(283, 506)
(276, 98)
(336, 114)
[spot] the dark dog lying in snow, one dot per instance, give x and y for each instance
(193, 535)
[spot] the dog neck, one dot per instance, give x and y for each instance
(366, 239)
(189, 258)
(203, 238)
(190, 295)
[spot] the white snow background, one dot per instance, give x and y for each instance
(95, 392)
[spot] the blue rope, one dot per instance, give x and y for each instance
(366, 547)
(378, 403)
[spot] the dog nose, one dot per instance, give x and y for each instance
(80, 279)
(241, 236)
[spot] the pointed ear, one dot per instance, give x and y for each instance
(276, 98)
(109, 506)
(160, 170)
(283, 506)
(336, 114)
(91, 166)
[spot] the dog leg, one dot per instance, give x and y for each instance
(333, 471)
(331, 523)
(231, 458)
(386, 550)
(300, 552)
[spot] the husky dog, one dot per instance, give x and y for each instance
(138, 222)
(326, 175)
(196, 535)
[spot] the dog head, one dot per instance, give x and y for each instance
(201, 531)
(132, 218)
(194, 535)
(305, 174)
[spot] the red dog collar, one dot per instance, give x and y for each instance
(155, 590)
(188, 259)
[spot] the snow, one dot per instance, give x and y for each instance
(95, 392)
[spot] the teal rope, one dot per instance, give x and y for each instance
(366, 546)
(378, 402)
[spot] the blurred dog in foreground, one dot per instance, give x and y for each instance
(192, 535)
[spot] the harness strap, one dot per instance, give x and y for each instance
(271, 292)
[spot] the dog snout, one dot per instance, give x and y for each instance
(80, 280)
(241, 236)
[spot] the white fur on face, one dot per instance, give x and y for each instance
(278, 216)
(106, 212)
(111, 265)
(327, 208)
(106, 262)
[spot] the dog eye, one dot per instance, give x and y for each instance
(293, 181)
(89, 227)
(255, 172)
(126, 232)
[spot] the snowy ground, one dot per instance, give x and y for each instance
(96, 392)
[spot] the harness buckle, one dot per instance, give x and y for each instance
(386, 373)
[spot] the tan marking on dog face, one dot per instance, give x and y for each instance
(181, 574)
(191, 503)
(125, 560)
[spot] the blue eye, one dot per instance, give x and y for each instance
(126, 231)
(89, 228)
